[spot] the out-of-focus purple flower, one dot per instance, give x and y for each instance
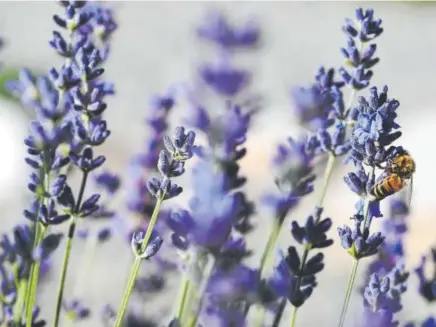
(394, 229)
(217, 29)
(161, 107)
(212, 211)
(150, 284)
(238, 284)
(382, 297)
(232, 253)
(109, 314)
(294, 166)
(47, 246)
(108, 181)
(226, 137)
(76, 310)
(18, 252)
(321, 106)
(139, 200)
(227, 293)
(26, 88)
(224, 79)
(427, 286)
(429, 322)
(313, 106)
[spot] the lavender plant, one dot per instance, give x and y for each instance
(69, 105)
(218, 287)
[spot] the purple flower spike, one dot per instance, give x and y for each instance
(313, 232)
(364, 30)
(358, 244)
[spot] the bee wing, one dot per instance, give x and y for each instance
(409, 200)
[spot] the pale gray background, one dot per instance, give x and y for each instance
(155, 46)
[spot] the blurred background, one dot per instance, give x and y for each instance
(156, 47)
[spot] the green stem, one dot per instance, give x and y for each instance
(354, 269)
(84, 269)
(348, 293)
(260, 316)
(264, 263)
(279, 313)
(327, 176)
(137, 262)
(202, 291)
(269, 247)
(64, 268)
(21, 296)
(184, 288)
(36, 227)
(274, 235)
(294, 316)
(326, 180)
(67, 254)
(31, 298)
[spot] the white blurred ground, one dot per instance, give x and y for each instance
(155, 47)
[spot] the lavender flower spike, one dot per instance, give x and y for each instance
(365, 29)
(169, 166)
(358, 244)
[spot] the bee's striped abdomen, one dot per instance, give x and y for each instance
(387, 186)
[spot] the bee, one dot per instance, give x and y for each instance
(399, 170)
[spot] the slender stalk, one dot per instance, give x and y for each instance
(264, 265)
(21, 286)
(348, 293)
(197, 263)
(326, 180)
(206, 276)
(136, 264)
(353, 270)
(279, 314)
(327, 175)
(37, 232)
(294, 316)
(67, 254)
(269, 247)
(183, 295)
(85, 267)
(33, 282)
(32, 268)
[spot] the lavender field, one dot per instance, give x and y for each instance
(155, 50)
